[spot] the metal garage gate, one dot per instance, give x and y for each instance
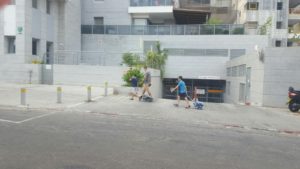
(207, 90)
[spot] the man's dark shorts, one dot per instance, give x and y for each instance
(182, 95)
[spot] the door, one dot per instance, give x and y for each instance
(248, 85)
(47, 74)
(242, 97)
(49, 53)
(47, 68)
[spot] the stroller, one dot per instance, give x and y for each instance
(198, 105)
(146, 98)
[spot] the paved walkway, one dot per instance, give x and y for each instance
(45, 96)
(249, 118)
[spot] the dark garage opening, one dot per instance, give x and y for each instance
(208, 90)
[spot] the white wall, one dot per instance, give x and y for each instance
(98, 75)
(20, 73)
(111, 47)
(281, 71)
(10, 20)
(257, 79)
(115, 12)
(36, 23)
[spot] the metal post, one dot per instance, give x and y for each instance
(23, 96)
(59, 95)
(106, 89)
(214, 29)
(89, 94)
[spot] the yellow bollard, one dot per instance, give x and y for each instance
(59, 95)
(106, 89)
(89, 93)
(23, 96)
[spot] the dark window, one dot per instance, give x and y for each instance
(279, 5)
(48, 4)
(35, 45)
(11, 44)
(252, 6)
(35, 4)
(279, 25)
(98, 20)
(278, 43)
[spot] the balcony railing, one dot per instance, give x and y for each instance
(163, 29)
(139, 3)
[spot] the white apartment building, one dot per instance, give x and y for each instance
(276, 15)
(86, 35)
(31, 30)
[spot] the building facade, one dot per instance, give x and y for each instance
(222, 47)
(32, 30)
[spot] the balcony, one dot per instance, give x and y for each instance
(143, 3)
(294, 40)
(294, 14)
(163, 29)
(151, 8)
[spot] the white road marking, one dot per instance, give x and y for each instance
(8, 121)
(36, 117)
(81, 103)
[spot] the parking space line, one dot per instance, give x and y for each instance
(8, 121)
(81, 103)
(26, 120)
(36, 117)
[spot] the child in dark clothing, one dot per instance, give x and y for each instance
(134, 85)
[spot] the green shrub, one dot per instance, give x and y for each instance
(131, 59)
(157, 59)
(133, 72)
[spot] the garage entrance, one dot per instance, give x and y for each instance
(207, 90)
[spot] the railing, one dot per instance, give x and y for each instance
(163, 29)
(101, 58)
(135, 3)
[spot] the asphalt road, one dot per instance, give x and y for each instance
(87, 140)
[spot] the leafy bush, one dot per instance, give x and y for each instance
(157, 60)
(133, 72)
(36, 61)
(265, 28)
(214, 21)
(131, 59)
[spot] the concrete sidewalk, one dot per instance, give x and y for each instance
(214, 114)
(45, 96)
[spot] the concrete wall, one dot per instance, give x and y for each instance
(1, 35)
(115, 12)
(111, 48)
(270, 79)
(257, 78)
(72, 25)
(20, 73)
(98, 75)
(281, 71)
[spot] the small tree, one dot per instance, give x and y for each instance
(131, 59)
(214, 21)
(266, 27)
(134, 72)
(157, 59)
